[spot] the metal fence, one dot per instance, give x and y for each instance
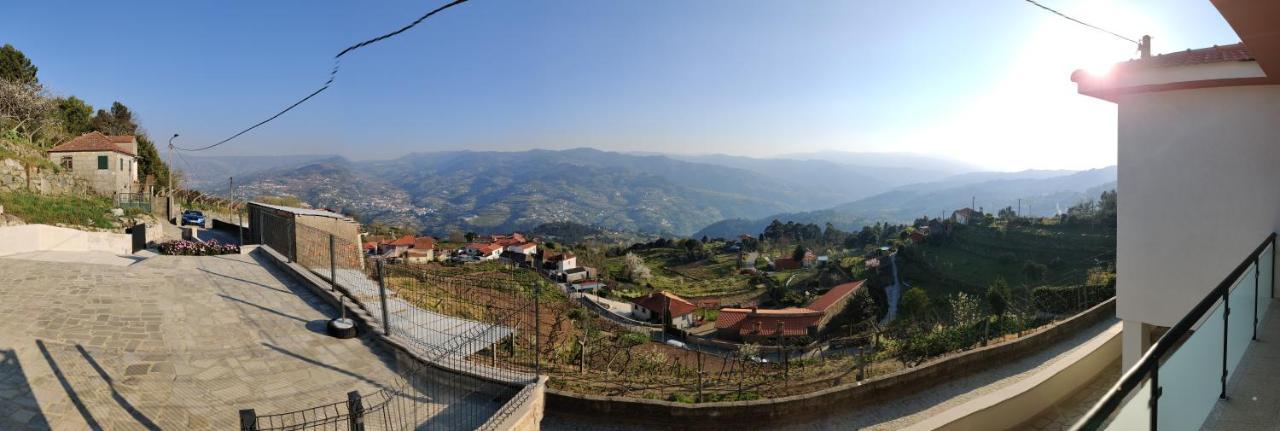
(472, 337)
(141, 201)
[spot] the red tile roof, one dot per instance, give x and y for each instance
(786, 263)
(1190, 57)
(677, 305)
(120, 139)
(834, 296)
(93, 141)
(761, 322)
(404, 241)
(559, 257)
(424, 242)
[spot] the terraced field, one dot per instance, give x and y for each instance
(978, 255)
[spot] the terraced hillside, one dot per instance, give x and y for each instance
(975, 256)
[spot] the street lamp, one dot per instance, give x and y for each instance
(175, 135)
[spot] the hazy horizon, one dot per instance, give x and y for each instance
(985, 84)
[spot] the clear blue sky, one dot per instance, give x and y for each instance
(985, 81)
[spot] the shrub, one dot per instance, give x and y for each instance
(193, 248)
(1070, 299)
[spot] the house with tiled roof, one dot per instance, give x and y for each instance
(764, 325)
(649, 308)
(109, 163)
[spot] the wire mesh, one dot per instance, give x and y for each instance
(472, 337)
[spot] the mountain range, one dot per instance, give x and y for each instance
(491, 191)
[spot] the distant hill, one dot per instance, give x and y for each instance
(895, 160)
(1042, 193)
(211, 172)
(497, 191)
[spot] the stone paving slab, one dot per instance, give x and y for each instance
(177, 343)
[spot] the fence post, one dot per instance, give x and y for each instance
(1226, 321)
(333, 265)
(382, 298)
(355, 410)
(259, 228)
(248, 420)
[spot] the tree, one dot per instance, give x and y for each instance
(76, 115)
(634, 269)
(998, 297)
(16, 67)
(24, 109)
(470, 236)
(1034, 271)
(964, 309)
(915, 304)
(798, 253)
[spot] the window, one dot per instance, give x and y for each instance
(122, 163)
(66, 162)
(102, 163)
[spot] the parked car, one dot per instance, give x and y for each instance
(192, 217)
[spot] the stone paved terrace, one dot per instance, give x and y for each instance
(174, 343)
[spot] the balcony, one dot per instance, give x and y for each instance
(1214, 369)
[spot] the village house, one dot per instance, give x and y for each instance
(526, 248)
(963, 215)
(650, 308)
(109, 163)
(763, 325)
(484, 251)
(580, 273)
(558, 263)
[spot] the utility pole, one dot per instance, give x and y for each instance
(973, 202)
(1019, 213)
(231, 187)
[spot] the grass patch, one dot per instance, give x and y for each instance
(69, 210)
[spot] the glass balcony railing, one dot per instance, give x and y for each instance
(1176, 384)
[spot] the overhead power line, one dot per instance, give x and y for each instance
(1082, 22)
(333, 73)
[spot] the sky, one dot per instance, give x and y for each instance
(985, 82)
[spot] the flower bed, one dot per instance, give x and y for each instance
(193, 248)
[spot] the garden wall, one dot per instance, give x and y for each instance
(798, 408)
(39, 237)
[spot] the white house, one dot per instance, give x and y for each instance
(649, 309)
(526, 248)
(1199, 146)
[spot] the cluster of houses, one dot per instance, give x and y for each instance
(750, 325)
(513, 249)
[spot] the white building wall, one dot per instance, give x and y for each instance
(1199, 188)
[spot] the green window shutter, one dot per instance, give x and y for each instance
(102, 162)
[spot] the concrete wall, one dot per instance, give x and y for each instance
(39, 237)
(1013, 406)
(1198, 171)
(114, 179)
(799, 408)
(523, 412)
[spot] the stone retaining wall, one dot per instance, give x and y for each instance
(799, 408)
(14, 177)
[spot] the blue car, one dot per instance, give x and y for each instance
(192, 217)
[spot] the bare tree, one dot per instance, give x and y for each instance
(25, 109)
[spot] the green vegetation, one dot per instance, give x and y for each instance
(974, 257)
(31, 120)
(78, 211)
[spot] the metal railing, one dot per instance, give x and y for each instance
(1171, 384)
(141, 201)
(472, 337)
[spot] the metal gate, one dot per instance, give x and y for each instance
(139, 232)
